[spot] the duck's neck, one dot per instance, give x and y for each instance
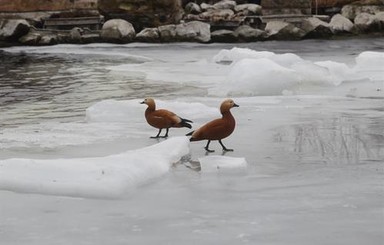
(151, 107)
(227, 115)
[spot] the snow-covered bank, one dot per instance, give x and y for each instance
(101, 177)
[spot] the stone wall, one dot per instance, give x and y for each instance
(274, 7)
(330, 3)
(143, 13)
(45, 5)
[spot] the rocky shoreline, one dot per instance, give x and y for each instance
(206, 23)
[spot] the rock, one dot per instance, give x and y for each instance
(90, 38)
(49, 39)
(167, 33)
(117, 30)
(380, 19)
(193, 31)
(142, 13)
(365, 22)
(75, 35)
(13, 29)
(191, 17)
(316, 28)
(246, 33)
(248, 9)
(352, 10)
(205, 7)
(148, 35)
(217, 14)
(340, 24)
(280, 30)
(192, 8)
(223, 36)
(225, 4)
(32, 38)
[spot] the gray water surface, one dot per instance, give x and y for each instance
(315, 161)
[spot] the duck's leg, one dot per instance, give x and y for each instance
(207, 147)
(224, 148)
(157, 136)
(166, 133)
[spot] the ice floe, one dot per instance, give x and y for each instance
(253, 73)
(221, 163)
(96, 177)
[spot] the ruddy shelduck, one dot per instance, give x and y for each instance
(217, 129)
(163, 118)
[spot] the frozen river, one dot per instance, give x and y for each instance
(77, 165)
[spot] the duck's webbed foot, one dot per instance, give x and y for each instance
(157, 136)
(224, 148)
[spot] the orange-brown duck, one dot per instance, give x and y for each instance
(163, 118)
(217, 129)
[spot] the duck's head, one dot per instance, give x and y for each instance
(149, 101)
(227, 104)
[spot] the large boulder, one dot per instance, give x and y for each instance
(215, 15)
(150, 35)
(340, 24)
(225, 4)
(223, 36)
(167, 33)
(248, 9)
(365, 22)
(13, 29)
(246, 33)
(380, 19)
(31, 38)
(352, 10)
(117, 31)
(316, 28)
(194, 31)
(75, 35)
(49, 39)
(192, 8)
(205, 7)
(281, 30)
